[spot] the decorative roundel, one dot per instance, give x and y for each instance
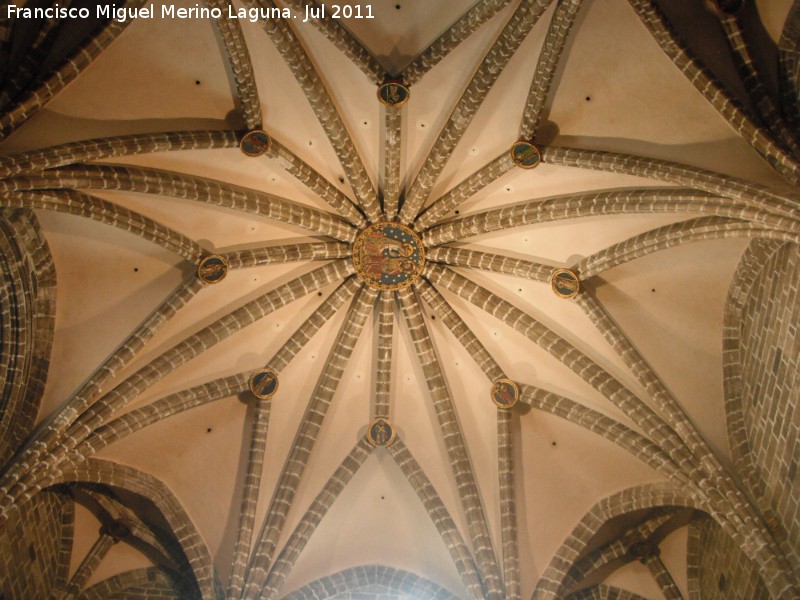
(526, 155)
(264, 383)
(725, 8)
(388, 256)
(381, 433)
(255, 143)
(393, 93)
(212, 269)
(118, 530)
(505, 393)
(565, 283)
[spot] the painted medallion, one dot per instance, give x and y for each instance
(525, 155)
(212, 269)
(380, 433)
(393, 94)
(505, 393)
(264, 383)
(388, 256)
(255, 143)
(565, 283)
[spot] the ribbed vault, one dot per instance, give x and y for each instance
(399, 332)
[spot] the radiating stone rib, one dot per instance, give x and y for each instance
(383, 357)
(669, 236)
(789, 67)
(343, 40)
(464, 191)
(466, 337)
(88, 566)
(757, 196)
(392, 124)
(571, 357)
(321, 102)
(653, 200)
(67, 72)
(494, 263)
(754, 83)
(239, 60)
(663, 578)
(306, 175)
(482, 11)
(101, 411)
(91, 207)
(454, 442)
(252, 485)
(272, 255)
(554, 44)
(518, 27)
(176, 185)
(294, 467)
(50, 434)
(713, 91)
(508, 505)
(125, 145)
(313, 516)
(440, 518)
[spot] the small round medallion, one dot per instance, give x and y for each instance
(565, 283)
(505, 393)
(212, 269)
(380, 433)
(393, 94)
(725, 8)
(388, 256)
(525, 155)
(255, 143)
(264, 383)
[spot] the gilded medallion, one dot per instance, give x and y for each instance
(264, 383)
(380, 433)
(393, 94)
(212, 269)
(388, 256)
(505, 393)
(565, 283)
(255, 143)
(525, 155)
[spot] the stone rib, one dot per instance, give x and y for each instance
(252, 485)
(230, 32)
(460, 330)
(344, 41)
(522, 21)
(126, 145)
(508, 505)
(321, 102)
(176, 185)
(554, 44)
(392, 125)
(465, 190)
(756, 196)
(88, 566)
(383, 358)
(789, 67)
(663, 578)
(313, 516)
(494, 263)
(121, 357)
(272, 255)
(669, 236)
(454, 441)
(659, 201)
(450, 39)
(101, 411)
(304, 441)
(713, 92)
(633, 442)
(91, 207)
(440, 517)
(753, 81)
(306, 175)
(66, 73)
(571, 357)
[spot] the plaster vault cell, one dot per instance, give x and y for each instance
(475, 299)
